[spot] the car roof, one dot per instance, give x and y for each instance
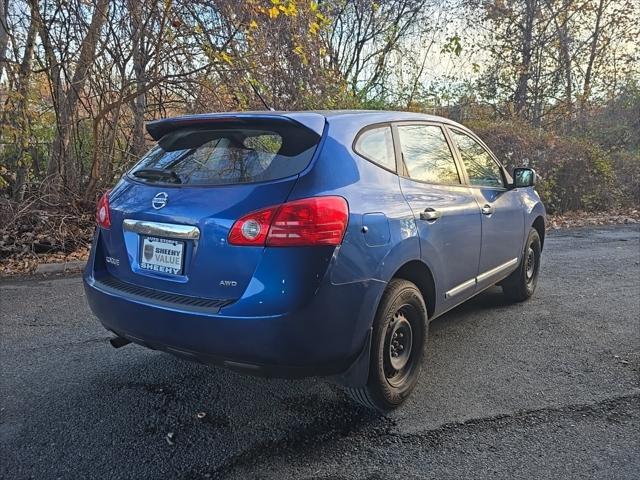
(364, 117)
(312, 119)
(373, 116)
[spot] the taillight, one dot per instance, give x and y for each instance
(306, 222)
(252, 229)
(103, 216)
(311, 221)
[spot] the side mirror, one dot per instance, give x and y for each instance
(524, 177)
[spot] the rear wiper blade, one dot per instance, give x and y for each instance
(158, 174)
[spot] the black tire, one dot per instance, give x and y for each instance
(520, 285)
(397, 347)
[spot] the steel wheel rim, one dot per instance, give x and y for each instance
(530, 264)
(398, 348)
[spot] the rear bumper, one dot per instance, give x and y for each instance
(323, 337)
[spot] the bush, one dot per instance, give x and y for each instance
(575, 173)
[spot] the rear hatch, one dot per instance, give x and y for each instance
(171, 214)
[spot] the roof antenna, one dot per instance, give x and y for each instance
(255, 90)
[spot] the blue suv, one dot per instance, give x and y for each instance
(297, 244)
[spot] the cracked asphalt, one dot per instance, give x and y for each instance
(545, 389)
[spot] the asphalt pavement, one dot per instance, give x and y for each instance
(545, 389)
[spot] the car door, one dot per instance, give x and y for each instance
(445, 210)
(502, 218)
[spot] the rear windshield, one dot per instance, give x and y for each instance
(223, 156)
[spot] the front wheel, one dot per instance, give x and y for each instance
(397, 346)
(520, 285)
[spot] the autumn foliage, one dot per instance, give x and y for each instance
(554, 85)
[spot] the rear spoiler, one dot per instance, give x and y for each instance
(312, 121)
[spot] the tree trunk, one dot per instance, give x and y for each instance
(4, 35)
(139, 104)
(21, 119)
(522, 86)
(62, 171)
(564, 41)
(593, 51)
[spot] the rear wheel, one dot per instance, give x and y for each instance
(521, 284)
(397, 346)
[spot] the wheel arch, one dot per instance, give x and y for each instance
(539, 225)
(419, 273)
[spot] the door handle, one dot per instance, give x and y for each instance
(430, 214)
(487, 209)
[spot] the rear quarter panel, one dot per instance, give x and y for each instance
(375, 201)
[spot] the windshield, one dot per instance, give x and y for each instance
(204, 156)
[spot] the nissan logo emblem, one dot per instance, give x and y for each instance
(160, 200)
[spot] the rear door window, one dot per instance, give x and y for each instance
(426, 154)
(205, 156)
(376, 144)
(482, 169)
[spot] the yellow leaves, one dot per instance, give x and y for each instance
(321, 20)
(290, 10)
(225, 57)
(208, 50)
(170, 36)
(273, 12)
(305, 14)
(212, 52)
(299, 50)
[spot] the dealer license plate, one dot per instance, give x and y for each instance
(162, 255)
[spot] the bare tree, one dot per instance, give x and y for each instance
(561, 21)
(363, 34)
(66, 98)
(524, 69)
(593, 50)
(20, 113)
(4, 34)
